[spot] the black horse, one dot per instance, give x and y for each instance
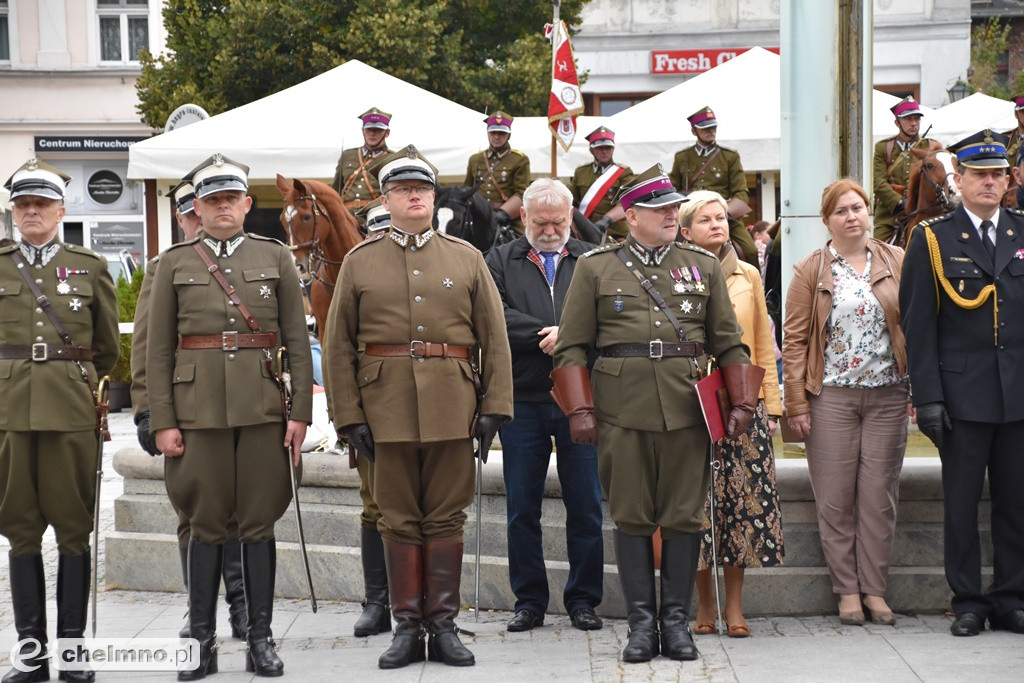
(461, 212)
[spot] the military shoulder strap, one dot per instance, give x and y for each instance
(41, 299)
(254, 324)
(654, 294)
(700, 171)
(494, 181)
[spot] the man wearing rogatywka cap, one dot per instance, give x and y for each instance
(708, 166)
(891, 164)
(962, 309)
(502, 172)
(215, 407)
(52, 355)
(640, 406)
(595, 185)
(355, 179)
(413, 309)
(182, 196)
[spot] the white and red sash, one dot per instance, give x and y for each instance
(600, 188)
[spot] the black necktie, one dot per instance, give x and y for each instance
(990, 246)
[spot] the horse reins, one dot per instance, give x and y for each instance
(941, 198)
(317, 260)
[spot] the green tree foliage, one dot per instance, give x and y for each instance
(127, 297)
(988, 48)
(222, 54)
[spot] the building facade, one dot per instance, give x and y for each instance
(67, 73)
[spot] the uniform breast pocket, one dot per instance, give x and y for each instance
(690, 306)
(191, 288)
(261, 291)
(1016, 266)
(10, 309)
(620, 299)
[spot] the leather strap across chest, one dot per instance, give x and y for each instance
(228, 288)
(654, 294)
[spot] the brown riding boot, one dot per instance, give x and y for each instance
(404, 563)
(441, 601)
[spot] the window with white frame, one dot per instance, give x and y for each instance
(5, 28)
(124, 29)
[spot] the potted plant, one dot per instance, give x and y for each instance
(121, 376)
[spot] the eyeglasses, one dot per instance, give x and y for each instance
(405, 191)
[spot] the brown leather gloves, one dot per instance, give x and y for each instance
(743, 382)
(572, 394)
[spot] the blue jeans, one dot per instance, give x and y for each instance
(526, 452)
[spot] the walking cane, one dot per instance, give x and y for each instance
(479, 486)
(102, 434)
(714, 538)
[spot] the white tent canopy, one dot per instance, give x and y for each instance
(956, 121)
(300, 131)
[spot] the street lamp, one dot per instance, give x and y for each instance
(959, 91)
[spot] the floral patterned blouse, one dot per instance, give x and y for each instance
(858, 349)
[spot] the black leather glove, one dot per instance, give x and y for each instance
(504, 220)
(486, 428)
(146, 439)
(932, 419)
(603, 223)
(361, 438)
(900, 206)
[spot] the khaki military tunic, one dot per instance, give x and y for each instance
(226, 402)
(47, 416)
(652, 442)
(509, 175)
(355, 178)
(723, 175)
(886, 198)
(1016, 137)
(586, 175)
(395, 288)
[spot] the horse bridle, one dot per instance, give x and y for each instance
(317, 260)
(941, 198)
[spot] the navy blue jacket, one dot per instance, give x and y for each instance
(531, 305)
(952, 353)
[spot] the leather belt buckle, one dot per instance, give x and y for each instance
(655, 349)
(229, 341)
(40, 351)
(417, 349)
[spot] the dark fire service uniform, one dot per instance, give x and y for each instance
(48, 439)
(217, 389)
(651, 439)
(407, 313)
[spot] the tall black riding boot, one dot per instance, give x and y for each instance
(204, 567)
(73, 572)
(635, 557)
(234, 589)
(259, 567)
(28, 594)
(376, 616)
(442, 574)
(679, 556)
(183, 552)
(404, 563)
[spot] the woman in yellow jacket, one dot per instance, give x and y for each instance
(748, 524)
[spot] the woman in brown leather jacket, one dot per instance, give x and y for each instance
(846, 394)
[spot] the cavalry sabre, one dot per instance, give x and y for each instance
(102, 434)
(285, 385)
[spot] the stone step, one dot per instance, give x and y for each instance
(337, 575)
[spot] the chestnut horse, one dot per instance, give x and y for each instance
(320, 232)
(931, 190)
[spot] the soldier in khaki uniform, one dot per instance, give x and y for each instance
(708, 166)
(411, 308)
(1016, 135)
(355, 179)
(47, 415)
(183, 195)
(502, 172)
(644, 415)
(595, 185)
(891, 167)
(214, 404)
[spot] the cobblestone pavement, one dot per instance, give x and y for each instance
(320, 647)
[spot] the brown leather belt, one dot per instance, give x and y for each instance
(420, 349)
(229, 341)
(654, 349)
(43, 352)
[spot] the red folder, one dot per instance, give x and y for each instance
(714, 403)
